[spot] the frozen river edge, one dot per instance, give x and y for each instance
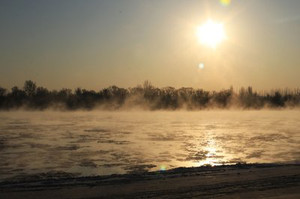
(230, 181)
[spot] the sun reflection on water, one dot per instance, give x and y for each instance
(211, 149)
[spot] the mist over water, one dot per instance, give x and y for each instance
(101, 143)
(146, 97)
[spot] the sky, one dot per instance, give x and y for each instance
(95, 44)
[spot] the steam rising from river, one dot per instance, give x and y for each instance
(99, 143)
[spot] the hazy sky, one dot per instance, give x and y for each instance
(95, 44)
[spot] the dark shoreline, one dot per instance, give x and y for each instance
(200, 181)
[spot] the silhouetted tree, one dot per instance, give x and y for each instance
(113, 97)
(41, 99)
(16, 98)
(29, 88)
(2, 97)
(277, 99)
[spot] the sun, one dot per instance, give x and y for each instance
(211, 33)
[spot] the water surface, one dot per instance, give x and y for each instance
(100, 143)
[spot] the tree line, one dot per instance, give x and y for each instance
(145, 96)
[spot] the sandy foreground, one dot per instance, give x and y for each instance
(238, 181)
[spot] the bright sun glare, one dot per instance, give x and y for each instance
(211, 33)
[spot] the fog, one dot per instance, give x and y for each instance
(146, 97)
(86, 143)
